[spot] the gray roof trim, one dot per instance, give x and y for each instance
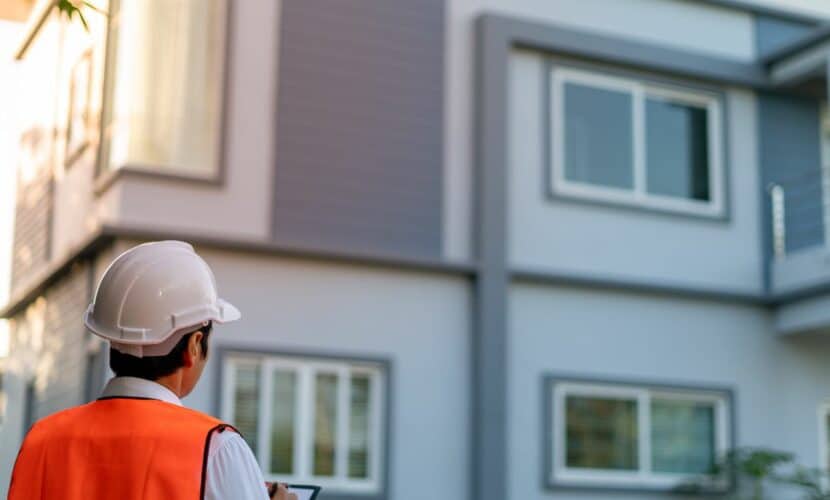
(219, 242)
(648, 56)
(108, 233)
(620, 283)
(754, 8)
(816, 37)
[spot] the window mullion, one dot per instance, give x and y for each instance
(264, 426)
(304, 439)
(715, 134)
(644, 432)
(341, 449)
(559, 434)
(638, 103)
(228, 406)
(376, 429)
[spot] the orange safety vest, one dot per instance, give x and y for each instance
(116, 448)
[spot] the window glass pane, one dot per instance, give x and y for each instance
(601, 433)
(677, 150)
(246, 403)
(598, 136)
(325, 424)
(174, 126)
(282, 422)
(682, 436)
(359, 427)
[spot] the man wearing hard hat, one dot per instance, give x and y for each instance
(156, 305)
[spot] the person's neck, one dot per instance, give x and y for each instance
(172, 382)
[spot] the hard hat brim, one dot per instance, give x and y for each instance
(224, 312)
(228, 311)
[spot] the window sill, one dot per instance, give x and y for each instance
(635, 487)
(105, 180)
(594, 196)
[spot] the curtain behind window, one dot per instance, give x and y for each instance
(167, 94)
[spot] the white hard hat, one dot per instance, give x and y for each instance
(151, 295)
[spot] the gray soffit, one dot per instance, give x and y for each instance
(813, 39)
(754, 8)
(107, 234)
(219, 242)
(557, 39)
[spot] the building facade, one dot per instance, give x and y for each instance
(483, 249)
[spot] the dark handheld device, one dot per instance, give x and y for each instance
(303, 491)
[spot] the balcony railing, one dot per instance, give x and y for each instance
(800, 211)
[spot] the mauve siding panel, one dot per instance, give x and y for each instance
(359, 135)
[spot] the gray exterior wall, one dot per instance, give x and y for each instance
(594, 334)
(592, 239)
(419, 322)
(359, 132)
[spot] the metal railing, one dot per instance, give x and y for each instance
(800, 211)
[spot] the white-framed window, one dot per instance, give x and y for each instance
(310, 420)
(633, 142)
(609, 435)
(824, 436)
(173, 128)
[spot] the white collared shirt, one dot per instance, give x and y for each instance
(232, 469)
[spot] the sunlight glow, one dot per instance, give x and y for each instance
(9, 35)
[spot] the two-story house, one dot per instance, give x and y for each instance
(483, 249)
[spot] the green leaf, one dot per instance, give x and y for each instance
(69, 9)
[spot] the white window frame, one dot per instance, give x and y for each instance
(823, 430)
(638, 195)
(305, 369)
(562, 475)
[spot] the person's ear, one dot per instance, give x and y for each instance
(194, 349)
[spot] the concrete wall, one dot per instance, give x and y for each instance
(779, 384)
(598, 240)
(419, 322)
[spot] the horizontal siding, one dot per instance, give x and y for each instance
(791, 157)
(359, 137)
(50, 338)
(32, 226)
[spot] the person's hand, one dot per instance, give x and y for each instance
(279, 491)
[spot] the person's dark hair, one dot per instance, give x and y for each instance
(155, 367)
